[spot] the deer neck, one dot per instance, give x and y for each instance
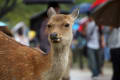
(60, 52)
(59, 60)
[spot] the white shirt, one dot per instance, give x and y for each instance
(92, 35)
(114, 38)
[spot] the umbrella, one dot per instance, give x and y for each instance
(84, 7)
(108, 13)
(97, 2)
(47, 1)
(2, 24)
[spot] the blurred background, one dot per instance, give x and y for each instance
(17, 10)
(25, 17)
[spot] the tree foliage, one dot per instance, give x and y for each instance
(6, 6)
(23, 12)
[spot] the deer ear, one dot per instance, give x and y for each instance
(51, 12)
(75, 13)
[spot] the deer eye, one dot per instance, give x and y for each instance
(67, 25)
(49, 26)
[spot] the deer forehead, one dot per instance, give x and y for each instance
(60, 18)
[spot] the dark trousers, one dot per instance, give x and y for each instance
(95, 61)
(115, 57)
(78, 57)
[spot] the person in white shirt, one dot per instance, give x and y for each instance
(21, 38)
(20, 32)
(93, 47)
(114, 45)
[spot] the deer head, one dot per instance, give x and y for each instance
(59, 27)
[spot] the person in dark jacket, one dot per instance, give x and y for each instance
(41, 34)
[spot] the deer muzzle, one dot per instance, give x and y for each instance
(55, 38)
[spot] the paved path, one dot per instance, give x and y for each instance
(86, 75)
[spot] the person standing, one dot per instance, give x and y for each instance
(114, 45)
(21, 38)
(94, 55)
(43, 35)
(20, 32)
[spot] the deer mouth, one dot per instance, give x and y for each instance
(56, 40)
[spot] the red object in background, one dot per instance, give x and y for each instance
(80, 29)
(83, 21)
(98, 2)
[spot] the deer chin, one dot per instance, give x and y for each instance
(59, 44)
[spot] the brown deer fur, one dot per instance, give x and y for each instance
(19, 62)
(67, 71)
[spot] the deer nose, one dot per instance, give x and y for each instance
(53, 36)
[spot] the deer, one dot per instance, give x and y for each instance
(20, 62)
(60, 36)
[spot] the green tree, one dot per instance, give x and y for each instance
(23, 12)
(6, 6)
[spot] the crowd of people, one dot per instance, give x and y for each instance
(93, 46)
